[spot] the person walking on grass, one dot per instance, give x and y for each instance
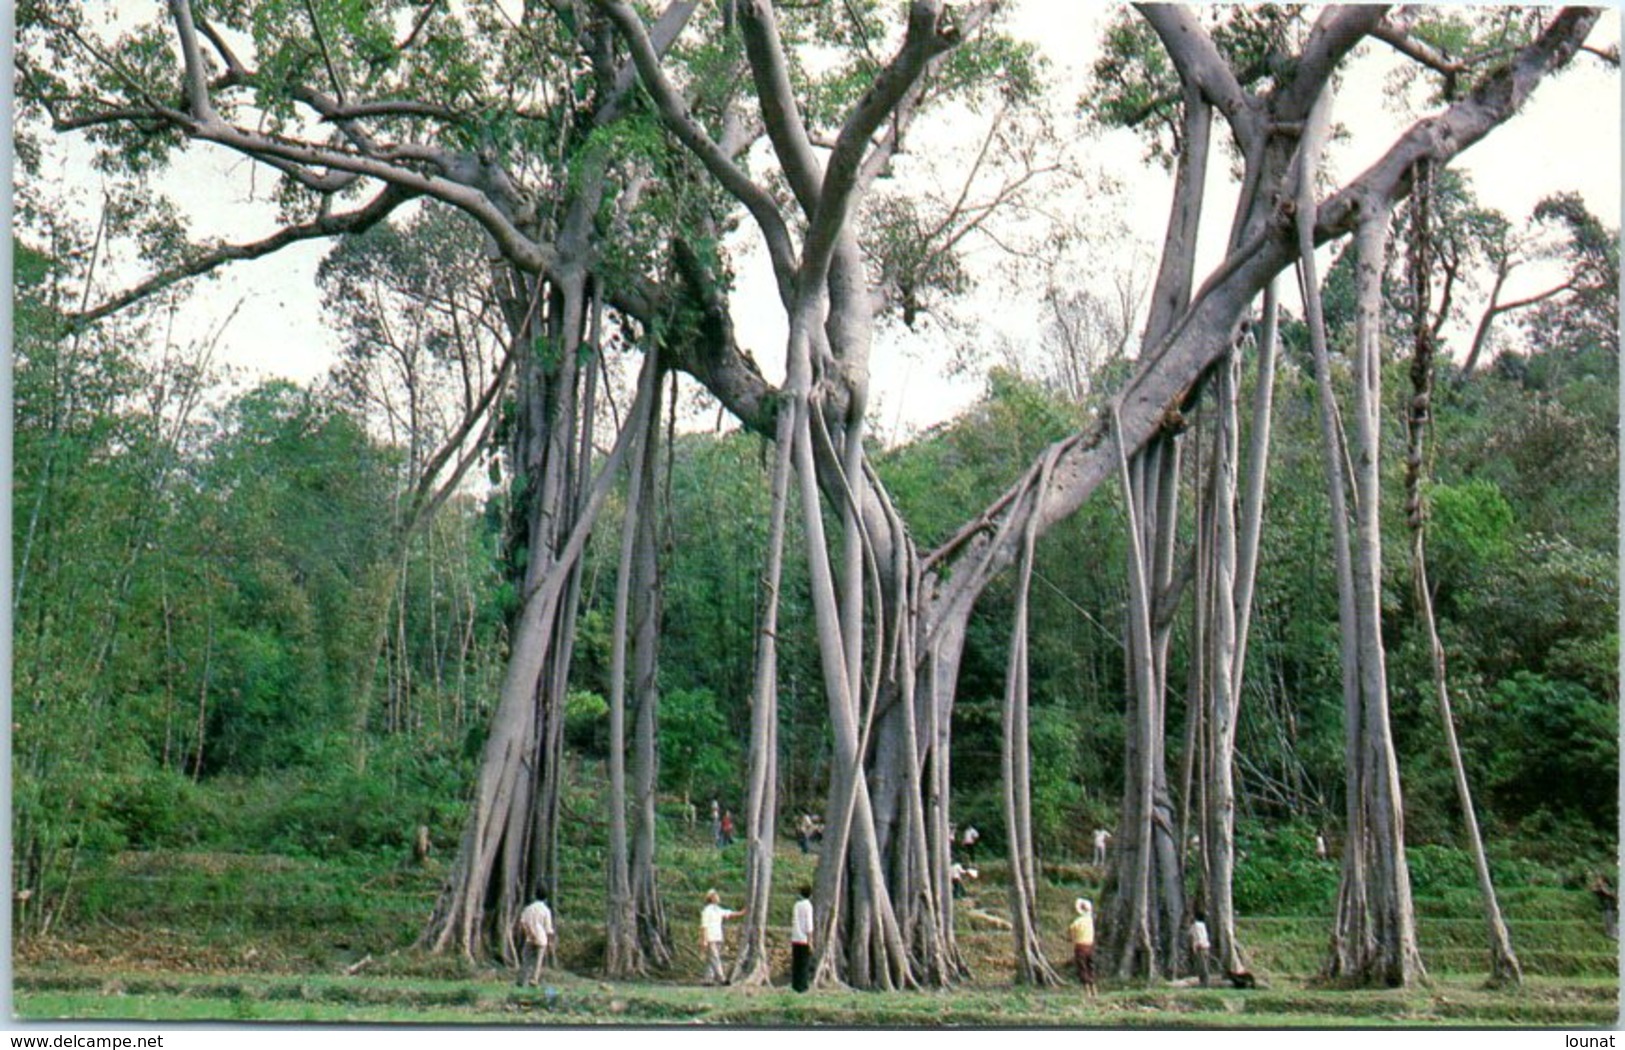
(1102, 838)
(801, 931)
(1200, 946)
(536, 930)
(1083, 943)
(711, 917)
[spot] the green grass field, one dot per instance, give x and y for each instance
(171, 936)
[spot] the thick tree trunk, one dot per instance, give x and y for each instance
(1132, 942)
(1223, 700)
(942, 643)
(508, 843)
(1375, 940)
(1236, 609)
(850, 865)
(647, 907)
(623, 948)
(1141, 936)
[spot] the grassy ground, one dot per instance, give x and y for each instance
(169, 936)
(572, 1000)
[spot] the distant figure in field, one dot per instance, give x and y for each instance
(716, 823)
(711, 917)
(959, 875)
(1082, 931)
(804, 832)
(727, 832)
(1321, 852)
(1609, 900)
(421, 846)
(1102, 837)
(1200, 946)
(968, 841)
(536, 927)
(691, 812)
(801, 931)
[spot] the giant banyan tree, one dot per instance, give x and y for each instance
(604, 150)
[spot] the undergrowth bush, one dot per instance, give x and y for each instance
(1277, 872)
(341, 809)
(156, 808)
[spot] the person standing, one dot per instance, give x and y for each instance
(801, 930)
(727, 838)
(716, 823)
(1102, 837)
(968, 842)
(1200, 946)
(804, 832)
(961, 876)
(711, 917)
(536, 928)
(1083, 943)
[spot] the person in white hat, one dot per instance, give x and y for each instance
(1083, 943)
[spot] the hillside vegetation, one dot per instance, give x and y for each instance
(169, 935)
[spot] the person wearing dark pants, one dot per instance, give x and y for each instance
(1200, 946)
(1082, 931)
(801, 927)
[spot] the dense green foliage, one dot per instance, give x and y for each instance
(209, 604)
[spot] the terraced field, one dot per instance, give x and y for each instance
(175, 937)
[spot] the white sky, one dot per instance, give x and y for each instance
(1567, 138)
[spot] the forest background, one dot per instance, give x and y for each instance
(253, 615)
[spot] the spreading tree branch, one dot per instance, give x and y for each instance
(326, 226)
(1200, 66)
(1166, 376)
(675, 114)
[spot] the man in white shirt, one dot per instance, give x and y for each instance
(711, 917)
(801, 931)
(1200, 946)
(959, 875)
(536, 928)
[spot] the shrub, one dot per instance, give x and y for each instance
(157, 808)
(1277, 872)
(1566, 758)
(586, 722)
(698, 754)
